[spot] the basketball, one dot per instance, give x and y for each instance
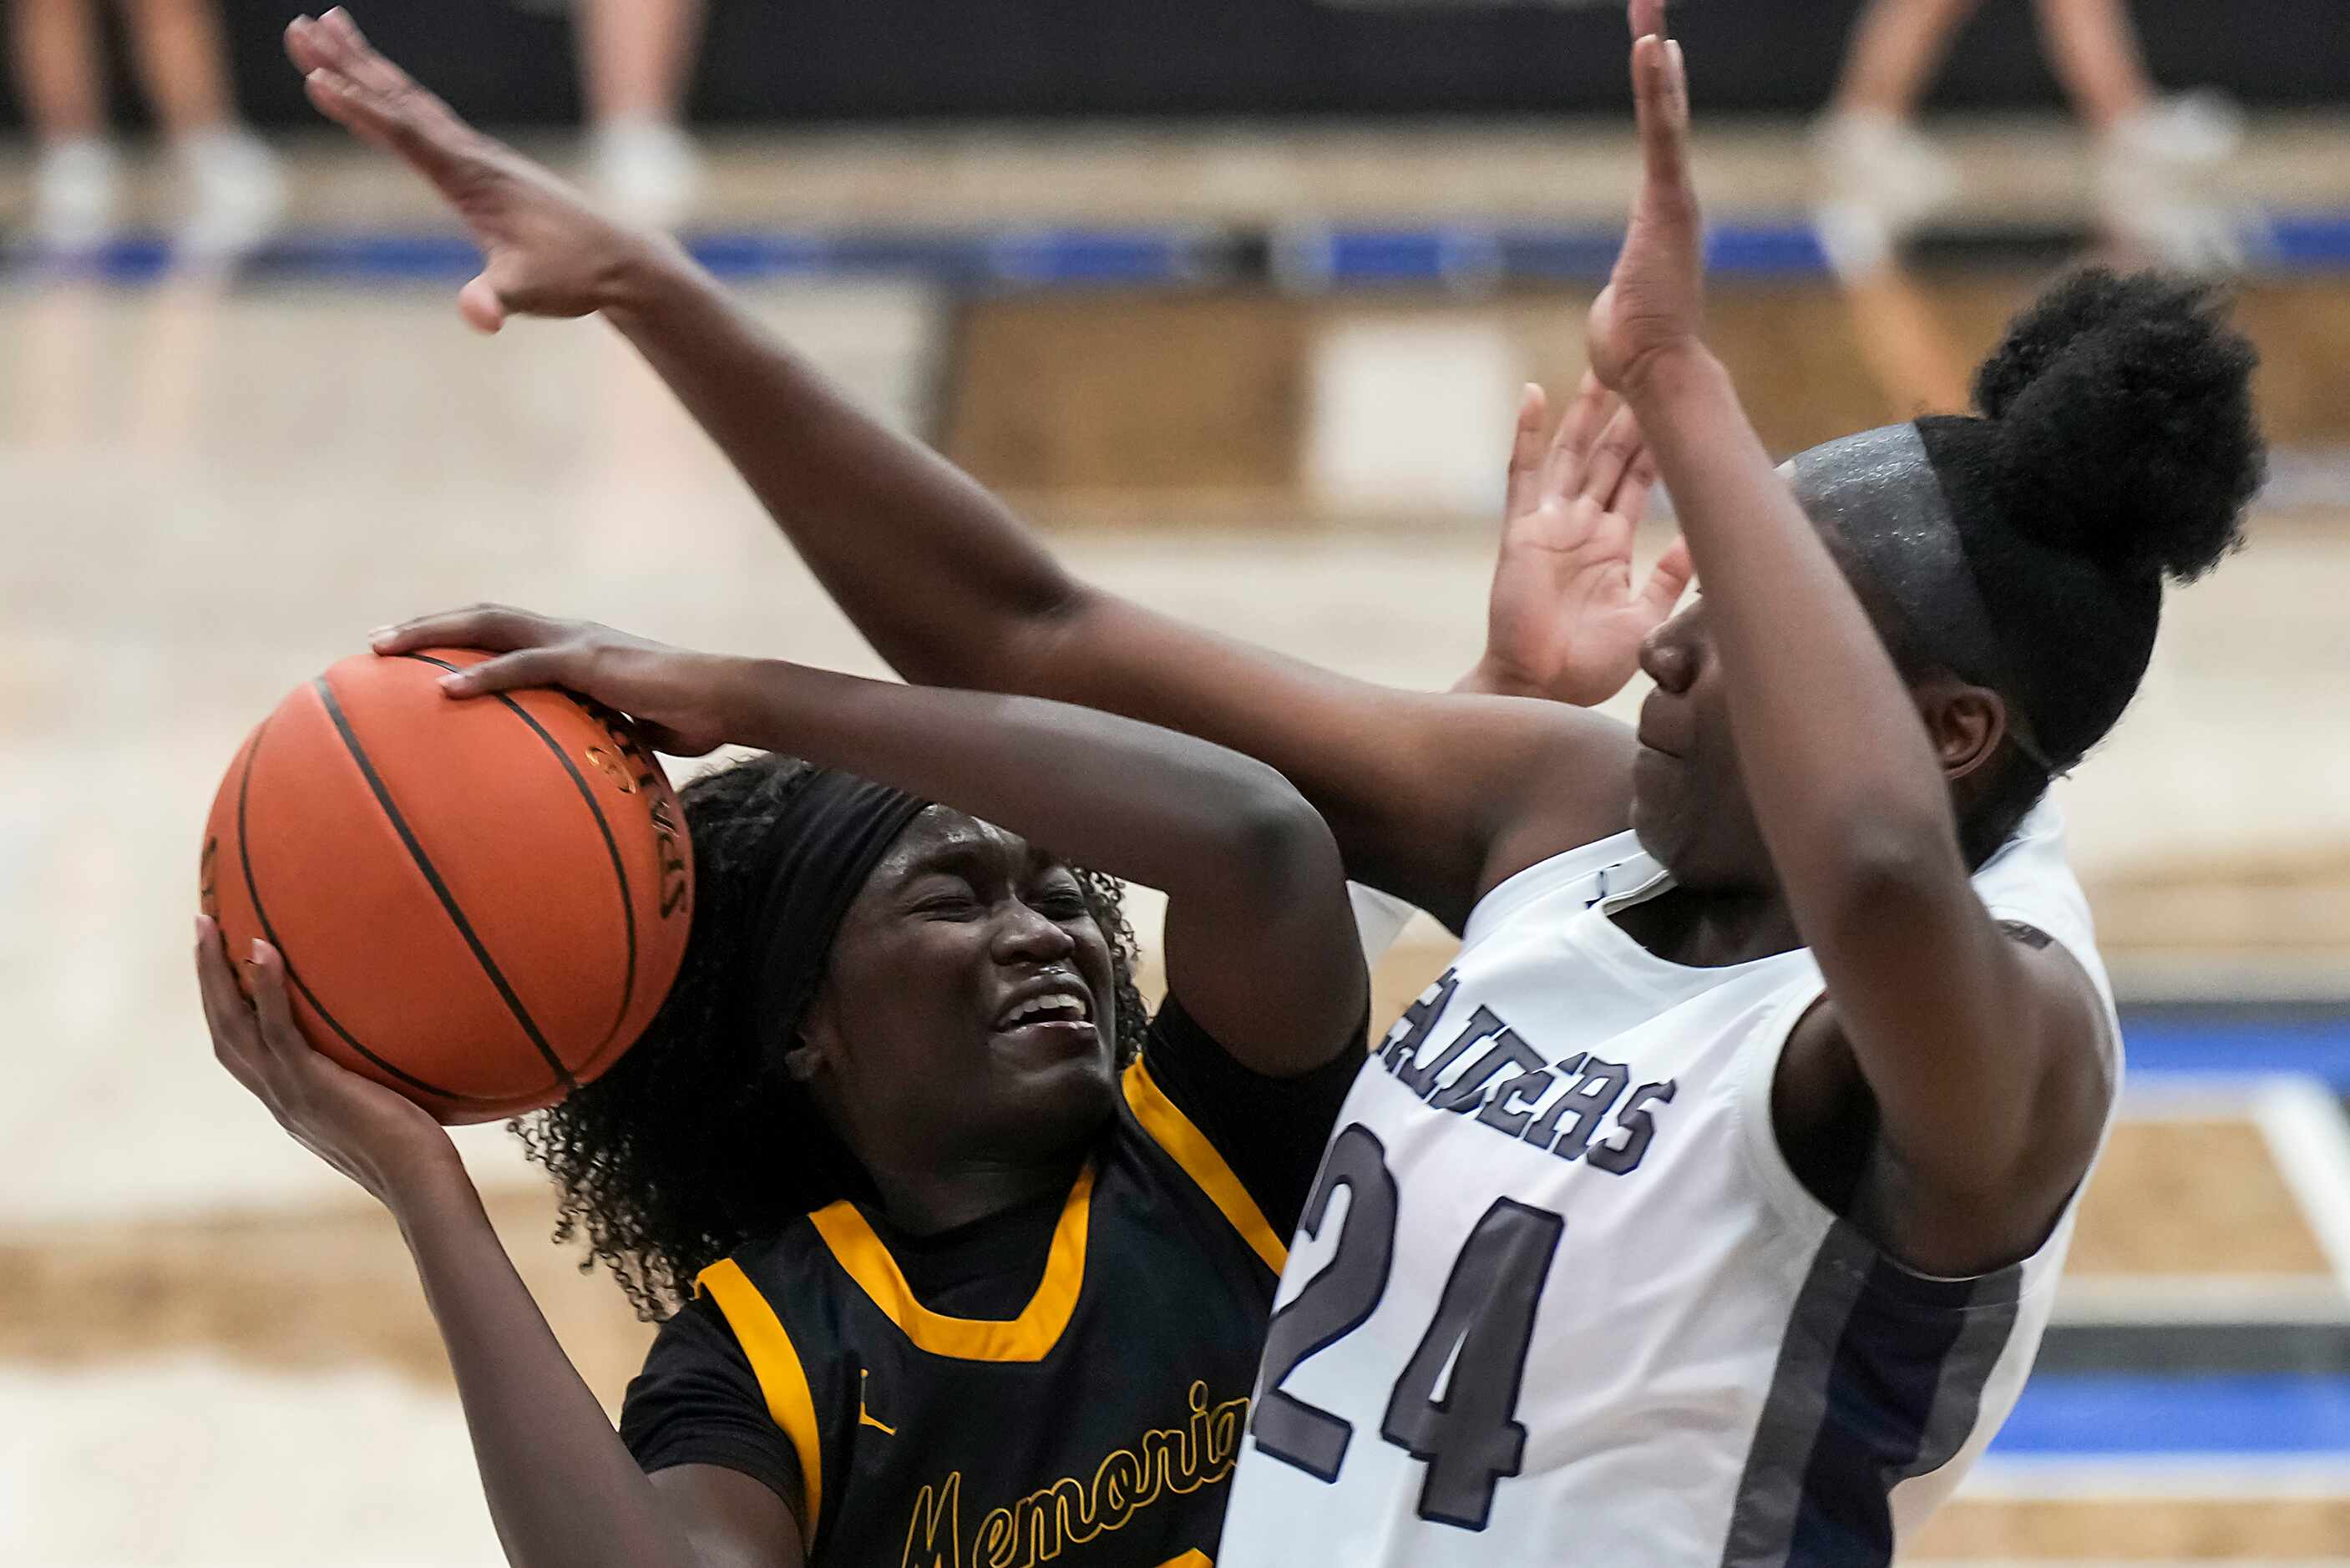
(480, 903)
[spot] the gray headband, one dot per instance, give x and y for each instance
(1879, 501)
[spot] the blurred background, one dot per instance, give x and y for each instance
(1236, 296)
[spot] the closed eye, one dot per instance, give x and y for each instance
(944, 898)
(1060, 899)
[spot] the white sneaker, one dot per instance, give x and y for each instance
(1882, 166)
(644, 170)
(233, 194)
(77, 194)
(2192, 130)
(2159, 186)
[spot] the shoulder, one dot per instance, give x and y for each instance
(704, 1398)
(1576, 788)
(2066, 1069)
(1248, 1143)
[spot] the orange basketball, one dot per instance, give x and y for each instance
(480, 903)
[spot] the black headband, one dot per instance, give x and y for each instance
(1883, 506)
(831, 833)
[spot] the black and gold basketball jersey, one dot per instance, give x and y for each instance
(1096, 1428)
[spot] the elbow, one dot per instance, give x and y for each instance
(1044, 620)
(1272, 838)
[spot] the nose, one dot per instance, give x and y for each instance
(1669, 658)
(1022, 935)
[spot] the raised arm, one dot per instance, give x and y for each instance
(1430, 797)
(1982, 1052)
(562, 1489)
(1261, 940)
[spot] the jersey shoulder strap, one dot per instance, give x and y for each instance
(775, 1360)
(1164, 1125)
(1610, 865)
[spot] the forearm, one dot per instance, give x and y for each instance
(563, 1492)
(1828, 738)
(931, 569)
(1139, 802)
(955, 591)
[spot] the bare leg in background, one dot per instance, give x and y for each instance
(636, 61)
(1896, 47)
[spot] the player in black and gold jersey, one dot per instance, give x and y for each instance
(970, 1266)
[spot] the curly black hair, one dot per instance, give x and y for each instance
(697, 1140)
(2114, 447)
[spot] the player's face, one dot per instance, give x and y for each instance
(969, 1004)
(1688, 797)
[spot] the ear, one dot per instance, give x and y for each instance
(819, 1038)
(1965, 723)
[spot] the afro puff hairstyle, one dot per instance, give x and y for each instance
(2114, 448)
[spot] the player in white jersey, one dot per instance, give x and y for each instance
(1705, 1213)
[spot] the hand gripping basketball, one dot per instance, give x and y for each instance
(681, 700)
(548, 252)
(370, 1132)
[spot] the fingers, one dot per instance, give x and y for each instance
(281, 1040)
(1647, 18)
(1630, 500)
(531, 667)
(227, 1012)
(1669, 581)
(236, 1036)
(493, 628)
(360, 59)
(333, 95)
(360, 89)
(334, 42)
(1660, 96)
(306, 45)
(481, 305)
(1588, 415)
(1618, 449)
(1526, 452)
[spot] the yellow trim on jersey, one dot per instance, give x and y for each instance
(1195, 1558)
(1189, 1147)
(1028, 1337)
(781, 1377)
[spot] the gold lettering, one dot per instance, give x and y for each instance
(1070, 1513)
(936, 1508)
(1121, 1485)
(607, 765)
(1054, 1517)
(1224, 1428)
(998, 1540)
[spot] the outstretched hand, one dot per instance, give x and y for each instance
(1564, 620)
(1654, 305)
(550, 253)
(682, 701)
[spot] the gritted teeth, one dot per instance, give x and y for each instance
(1053, 1007)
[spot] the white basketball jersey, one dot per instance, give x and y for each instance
(1557, 1296)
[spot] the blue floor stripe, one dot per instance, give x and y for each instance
(2082, 1415)
(1452, 256)
(2318, 1047)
